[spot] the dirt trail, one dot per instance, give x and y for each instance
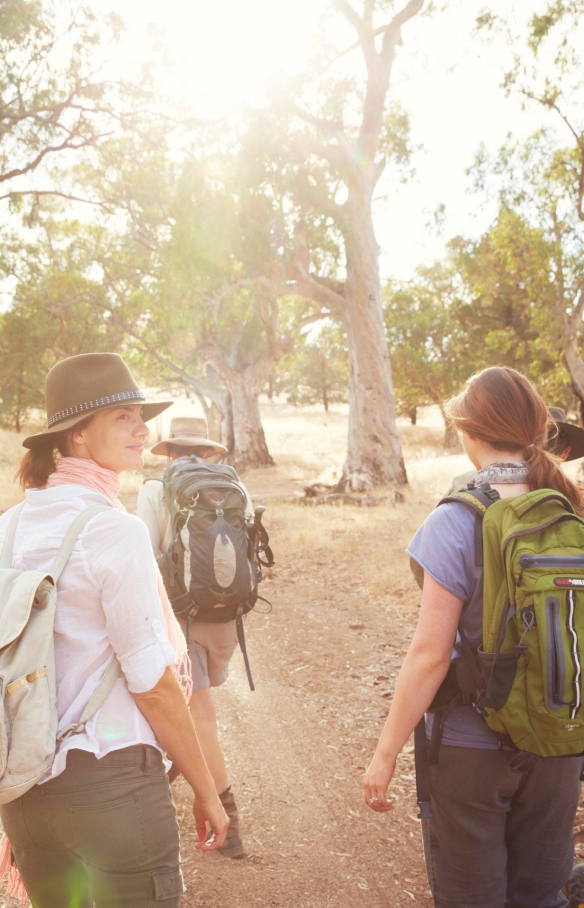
(324, 664)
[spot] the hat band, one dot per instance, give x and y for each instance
(94, 405)
(189, 435)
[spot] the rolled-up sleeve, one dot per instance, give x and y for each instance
(124, 566)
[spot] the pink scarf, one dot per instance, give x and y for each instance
(88, 473)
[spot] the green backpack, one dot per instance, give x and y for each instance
(527, 674)
(526, 677)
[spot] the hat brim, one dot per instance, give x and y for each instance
(184, 442)
(149, 411)
(574, 439)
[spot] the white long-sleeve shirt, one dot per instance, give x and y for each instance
(107, 601)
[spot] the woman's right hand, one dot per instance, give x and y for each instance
(210, 811)
(376, 782)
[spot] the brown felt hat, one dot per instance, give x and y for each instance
(81, 385)
(569, 435)
(188, 432)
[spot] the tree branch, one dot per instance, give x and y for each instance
(350, 15)
(576, 314)
(379, 66)
(54, 192)
(67, 144)
(325, 126)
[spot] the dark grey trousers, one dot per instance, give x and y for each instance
(500, 837)
(102, 833)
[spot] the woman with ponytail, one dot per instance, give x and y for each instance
(100, 827)
(499, 835)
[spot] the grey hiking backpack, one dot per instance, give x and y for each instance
(227, 548)
(28, 707)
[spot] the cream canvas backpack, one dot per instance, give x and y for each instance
(28, 713)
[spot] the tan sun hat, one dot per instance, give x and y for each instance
(81, 385)
(188, 432)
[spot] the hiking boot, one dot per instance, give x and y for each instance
(574, 888)
(233, 847)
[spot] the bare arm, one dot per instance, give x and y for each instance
(167, 713)
(421, 674)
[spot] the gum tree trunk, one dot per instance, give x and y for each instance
(249, 441)
(374, 454)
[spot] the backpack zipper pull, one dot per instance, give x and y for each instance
(528, 619)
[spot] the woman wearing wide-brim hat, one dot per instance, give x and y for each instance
(211, 645)
(101, 827)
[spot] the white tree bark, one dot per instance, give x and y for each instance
(374, 455)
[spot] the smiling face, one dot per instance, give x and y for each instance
(113, 438)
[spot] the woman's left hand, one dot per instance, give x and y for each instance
(376, 783)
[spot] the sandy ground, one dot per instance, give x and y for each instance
(324, 663)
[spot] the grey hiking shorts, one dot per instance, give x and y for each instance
(211, 647)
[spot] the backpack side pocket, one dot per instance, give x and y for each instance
(27, 703)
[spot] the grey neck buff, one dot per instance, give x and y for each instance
(501, 473)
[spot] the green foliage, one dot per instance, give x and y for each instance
(57, 311)
(317, 371)
(507, 314)
(423, 338)
(492, 301)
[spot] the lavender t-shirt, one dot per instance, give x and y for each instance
(444, 547)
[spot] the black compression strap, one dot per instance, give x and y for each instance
(243, 648)
(422, 771)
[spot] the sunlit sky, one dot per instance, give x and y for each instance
(224, 53)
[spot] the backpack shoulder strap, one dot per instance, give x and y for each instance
(100, 695)
(166, 491)
(72, 536)
(479, 501)
(6, 556)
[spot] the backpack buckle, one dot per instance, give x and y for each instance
(70, 730)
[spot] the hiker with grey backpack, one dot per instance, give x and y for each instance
(492, 682)
(210, 546)
(92, 665)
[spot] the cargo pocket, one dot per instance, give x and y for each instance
(499, 671)
(110, 836)
(28, 709)
(168, 886)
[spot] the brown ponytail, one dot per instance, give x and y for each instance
(39, 462)
(501, 407)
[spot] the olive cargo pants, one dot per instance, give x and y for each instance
(103, 832)
(500, 837)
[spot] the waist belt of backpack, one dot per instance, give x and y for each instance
(241, 639)
(425, 755)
